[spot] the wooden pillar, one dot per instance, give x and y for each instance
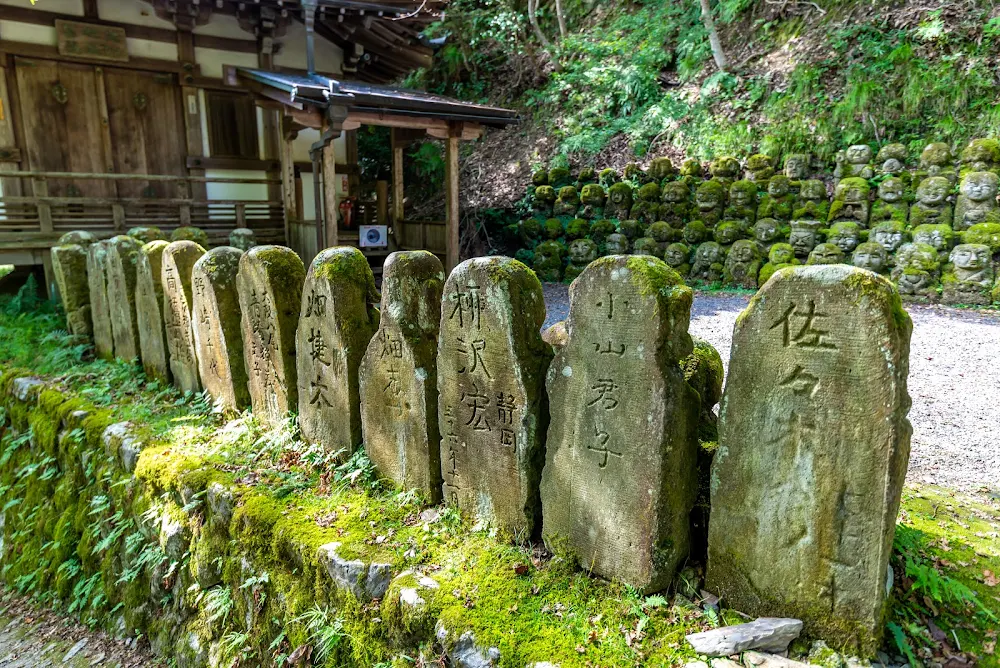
(451, 206)
(271, 126)
(10, 154)
(397, 176)
(192, 111)
(333, 125)
(382, 202)
(288, 197)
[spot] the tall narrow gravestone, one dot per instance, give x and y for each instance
(398, 375)
(69, 266)
(813, 447)
(121, 262)
(620, 474)
(176, 266)
(269, 284)
(217, 335)
(492, 409)
(149, 310)
(336, 322)
(100, 312)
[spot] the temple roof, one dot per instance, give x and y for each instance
(320, 91)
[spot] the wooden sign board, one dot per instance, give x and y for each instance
(87, 40)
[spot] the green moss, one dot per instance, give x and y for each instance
(195, 234)
(577, 229)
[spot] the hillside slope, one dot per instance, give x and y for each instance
(636, 81)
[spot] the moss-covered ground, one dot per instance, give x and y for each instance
(100, 560)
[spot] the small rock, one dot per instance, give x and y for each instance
(366, 582)
(74, 650)
(408, 596)
(696, 664)
(220, 502)
(430, 515)
(759, 660)
(770, 634)
(22, 387)
(725, 663)
(822, 655)
(465, 653)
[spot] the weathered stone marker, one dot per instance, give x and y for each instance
(69, 266)
(149, 310)
(336, 323)
(177, 262)
(491, 397)
(813, 447)
(269, 284)
(398, 375)
(216, 321)
(121, 262)
(100, 313)
(620, 473)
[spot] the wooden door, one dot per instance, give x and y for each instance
(61, 110)
(147, 129)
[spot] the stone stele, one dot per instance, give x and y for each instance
(177, 262)
(336, 324)
(620, 472)
(813, 447)
(100, 313)
(398, 375)
(217, 335)
(149, 310)
(269, 284)
(123, 252)
(69, 266)
(492, 409)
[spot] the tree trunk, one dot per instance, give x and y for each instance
(561, 18)
(713, 36)
(546, 44)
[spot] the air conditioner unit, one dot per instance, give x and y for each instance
(373, 236)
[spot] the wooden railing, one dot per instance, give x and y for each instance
(37, 220)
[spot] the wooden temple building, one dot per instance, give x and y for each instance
(219, 114)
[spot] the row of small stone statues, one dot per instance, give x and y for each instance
(662, 193)
(589, 435)
(926, 262)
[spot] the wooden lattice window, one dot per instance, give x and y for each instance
(232, 125)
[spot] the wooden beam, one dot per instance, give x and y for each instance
(8, 47)
(451, 201)
(398, 215)
(41, 17)
(108, 159)
(194, 141)
(248, 164)
(10, 161)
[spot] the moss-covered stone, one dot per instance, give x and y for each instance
(336, 323)
(850, 201)
(619, 201)
(492, 408)
(646, 246)
(608, 177)
(977, 200)
(552, 228)
(778, 201)
(932, 206)
(549, 260)
(560, 177)
(760, 168)
(970, 277)
(177, 262)
(983, 233)
(121, 263)
(742, 265)
(149, 310)
(398, 375)
(190, 233)
(614, 461)
(216, 323)
(981, 155)
(578, 228)
(811, 203)
(269, 284)
(145, 234)
(600, 230)
(100, 309)
(243, 238)
(799, 337)
(69, 268)
(710, 201)
(917, 271)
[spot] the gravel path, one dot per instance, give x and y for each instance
(954, 383)
(33, 637)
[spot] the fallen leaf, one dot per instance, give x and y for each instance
(989, 579)
(520, 569)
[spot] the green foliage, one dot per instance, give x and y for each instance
(325, 630)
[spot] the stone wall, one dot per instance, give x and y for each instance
(930, 222)
(597, 437)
